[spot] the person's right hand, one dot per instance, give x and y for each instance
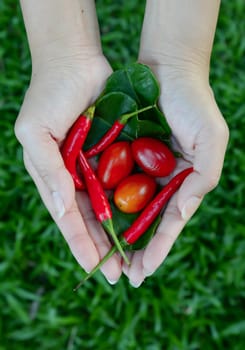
(68, 74)
(58, 93)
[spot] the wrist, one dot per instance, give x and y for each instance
(179, 86)
(174, 78)
(179, 36)
(58, 55)
(61, 28)
(176, 62)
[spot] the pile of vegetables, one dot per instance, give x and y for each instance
(128, 136)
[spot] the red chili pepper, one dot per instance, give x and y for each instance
(99, 201)
(146, 218)
(112, 133)
(153, 209)
(73, 144)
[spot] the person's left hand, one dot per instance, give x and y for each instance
(201, 136)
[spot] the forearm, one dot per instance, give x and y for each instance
(178, 31)
(60, 26)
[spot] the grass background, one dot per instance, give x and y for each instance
(196, 299)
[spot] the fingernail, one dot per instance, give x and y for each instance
(190, 207)
(147, 273)
(58, 204)
(135, 284)
(112, 282)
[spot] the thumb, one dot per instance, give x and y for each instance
(190, 195)
(209, 152)
(42, 151)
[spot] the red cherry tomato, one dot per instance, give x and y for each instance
(134, 192)
(153, 156)
(115, 163)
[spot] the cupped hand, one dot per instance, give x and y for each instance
(60, 90)
(201, 135)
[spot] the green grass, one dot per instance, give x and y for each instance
(196, 299)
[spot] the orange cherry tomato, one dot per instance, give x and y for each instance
(115, 163)
(134, 192)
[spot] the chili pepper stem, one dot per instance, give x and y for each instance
(97, 267)
(90, 112)
(124, 118)
(108, 226)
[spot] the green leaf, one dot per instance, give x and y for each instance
(149, 128)
(128, 90)
(108, 109)
(159, 116)
(138, 81)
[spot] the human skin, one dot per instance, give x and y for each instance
(68, 73)
(179, 55)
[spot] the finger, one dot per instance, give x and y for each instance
(125, 267)
(135, 271)
(112, 269)
(34, 129)
(205, 146)
(208, 162)
(167, 233)
(71, 224)
(45, 157)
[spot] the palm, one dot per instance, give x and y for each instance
(54, 100)
(197, 126)
(65, 93)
